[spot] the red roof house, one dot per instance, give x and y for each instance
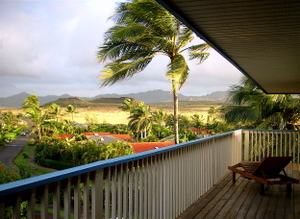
(147, 146)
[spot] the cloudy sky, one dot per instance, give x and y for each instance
(48, 47)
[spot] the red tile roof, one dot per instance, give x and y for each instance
(147, 146)
(97, 133)
(66, 136)
(200, 131)
(124, 137)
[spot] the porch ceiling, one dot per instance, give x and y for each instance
(261, 38)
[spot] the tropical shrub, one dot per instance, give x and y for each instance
(187, 135)
(11, 174)
(8, 174)
(66, 153)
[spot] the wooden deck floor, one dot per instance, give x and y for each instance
(242, 200)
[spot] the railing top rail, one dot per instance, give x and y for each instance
(270, 130)
(33, 182)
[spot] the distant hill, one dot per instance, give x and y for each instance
(75, 101)
(217, 95)
(17, 100)
(153, 96)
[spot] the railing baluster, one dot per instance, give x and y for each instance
(97, 195)
(130, 190)
(17, 208)
(56, 200)
(107, 192)
(86, 197)
(67, 199)
(120, 189)
(77, 212)
(31, 204)
(125, 191)
(114, 193)
(2, 208)
(44, 202)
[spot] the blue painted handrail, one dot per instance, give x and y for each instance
(22, 185)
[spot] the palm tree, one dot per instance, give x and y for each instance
(54, 110)
(197, 121)
(129, 104)
(35, 113)
(32, 101)
(254, 108)
(143, 30)
(140, 120)
(71, 109)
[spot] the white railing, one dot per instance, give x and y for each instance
(157, 184)
(262, 143)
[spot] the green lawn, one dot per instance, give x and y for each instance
(20, 160)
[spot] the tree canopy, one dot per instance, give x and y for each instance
(252, 108)
(144, 29)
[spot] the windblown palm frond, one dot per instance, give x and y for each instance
(144, 29)
(178, 71)
(260, 109)
(115, 71)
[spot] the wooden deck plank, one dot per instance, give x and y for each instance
(248, 200)
(242, 200)
(272, 204)
(282, 198)
(257, 201)
(237, 190)
(223, 200)
(211, 204)
(204, 200)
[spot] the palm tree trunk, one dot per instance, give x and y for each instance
(175, 102)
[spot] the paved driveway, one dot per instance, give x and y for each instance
(12, 149)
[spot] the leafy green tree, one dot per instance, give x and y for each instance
(197, 121)
(143, 30)
(10, 121)
(254, 109)
(140, 120)
(129, 104)
(32, 101)
(71, 109)
(187, 135)
(33, 111)
(54, 111)
(159, 117)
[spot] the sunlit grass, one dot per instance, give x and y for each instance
(25, 162)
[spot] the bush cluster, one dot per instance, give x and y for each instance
(65, 153)
(8, 174)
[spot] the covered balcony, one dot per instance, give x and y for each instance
(261, 38)
(169, 182)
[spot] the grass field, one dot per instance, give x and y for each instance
(110, 113)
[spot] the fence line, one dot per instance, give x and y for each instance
(157, 184)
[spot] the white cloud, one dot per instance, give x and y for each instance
(49, 47)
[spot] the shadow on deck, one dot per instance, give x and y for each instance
(242, 200)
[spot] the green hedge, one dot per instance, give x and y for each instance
(54, 164)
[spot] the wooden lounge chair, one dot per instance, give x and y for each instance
(269, 171)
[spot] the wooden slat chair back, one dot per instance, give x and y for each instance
(269, 171)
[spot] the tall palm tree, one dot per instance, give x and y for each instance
(129, 104)
(54, 110)
(140, 120)
(197, 121)
(71, 109)
(254, 108)
(143, 30)
(33, 111)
